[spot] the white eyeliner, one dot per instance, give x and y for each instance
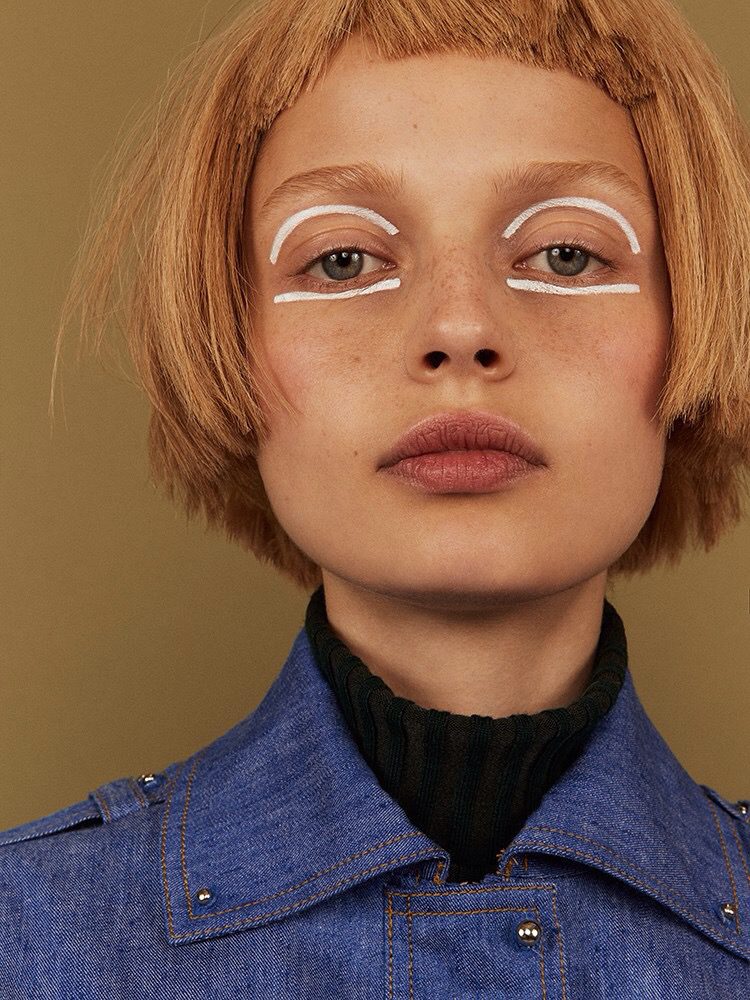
(545, 286)
(307, 213)
(592, 203)
(346, 294)
(521, 283)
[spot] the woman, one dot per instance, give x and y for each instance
(530, 378)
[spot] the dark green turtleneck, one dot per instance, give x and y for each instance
(467, 781)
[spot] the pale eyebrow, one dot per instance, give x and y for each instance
(364, 178)
(372, 178)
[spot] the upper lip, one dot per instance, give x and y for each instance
(465, 430)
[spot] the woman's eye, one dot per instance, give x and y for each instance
(341, 263)
(567, 260)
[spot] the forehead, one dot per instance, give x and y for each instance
(446, 119)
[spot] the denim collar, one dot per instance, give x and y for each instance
(282, 812)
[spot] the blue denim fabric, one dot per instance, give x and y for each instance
(272, 864)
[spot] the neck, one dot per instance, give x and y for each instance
(484, 655)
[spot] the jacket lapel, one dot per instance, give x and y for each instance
(627, 807)
(283, 812)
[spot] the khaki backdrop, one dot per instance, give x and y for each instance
(129, 640)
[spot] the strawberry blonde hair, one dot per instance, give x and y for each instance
(168, 233)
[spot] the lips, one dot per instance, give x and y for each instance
(464, 430)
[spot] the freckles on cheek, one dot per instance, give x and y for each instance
(320, 360)
(596, 358)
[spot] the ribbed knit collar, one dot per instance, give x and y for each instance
(468, 781)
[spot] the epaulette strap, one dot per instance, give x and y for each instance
(118, 798)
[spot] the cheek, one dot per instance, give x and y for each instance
(632, 371)
(621, 350)
(318, 367)
(636, 356)
(604, 378)
(295, 360)
(323, 387)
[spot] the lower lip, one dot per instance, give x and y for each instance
(462, 471)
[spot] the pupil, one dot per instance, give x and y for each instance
(342, 263)
(571, 260)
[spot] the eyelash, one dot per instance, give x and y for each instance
(573, 243)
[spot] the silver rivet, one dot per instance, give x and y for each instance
(147, 779)
(728, 909)
(528, 931)
(743, 807)
(204, 896)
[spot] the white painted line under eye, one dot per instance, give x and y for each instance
(307, 213)
(542, 286)
(592, 203)
(346, 294)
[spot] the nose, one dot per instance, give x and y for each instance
(462, 329)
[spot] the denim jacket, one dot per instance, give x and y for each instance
(272, 864)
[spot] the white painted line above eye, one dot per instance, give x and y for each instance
(543, 286)
(592, 203)
(346, 294)
(307, 213)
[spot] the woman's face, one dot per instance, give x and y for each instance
(579, 372)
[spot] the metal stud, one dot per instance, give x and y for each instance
(528, 931)
(729, 909)
(743, 806)
(148, 779)
(204, 896)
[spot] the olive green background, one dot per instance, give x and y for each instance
(130, 639)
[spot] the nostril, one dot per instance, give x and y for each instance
(487, 356)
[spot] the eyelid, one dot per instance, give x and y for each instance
(339, 243)
(307, 213)
(363, 243)
(576, 241)
(593, 204)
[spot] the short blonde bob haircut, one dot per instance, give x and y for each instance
(176, 198)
